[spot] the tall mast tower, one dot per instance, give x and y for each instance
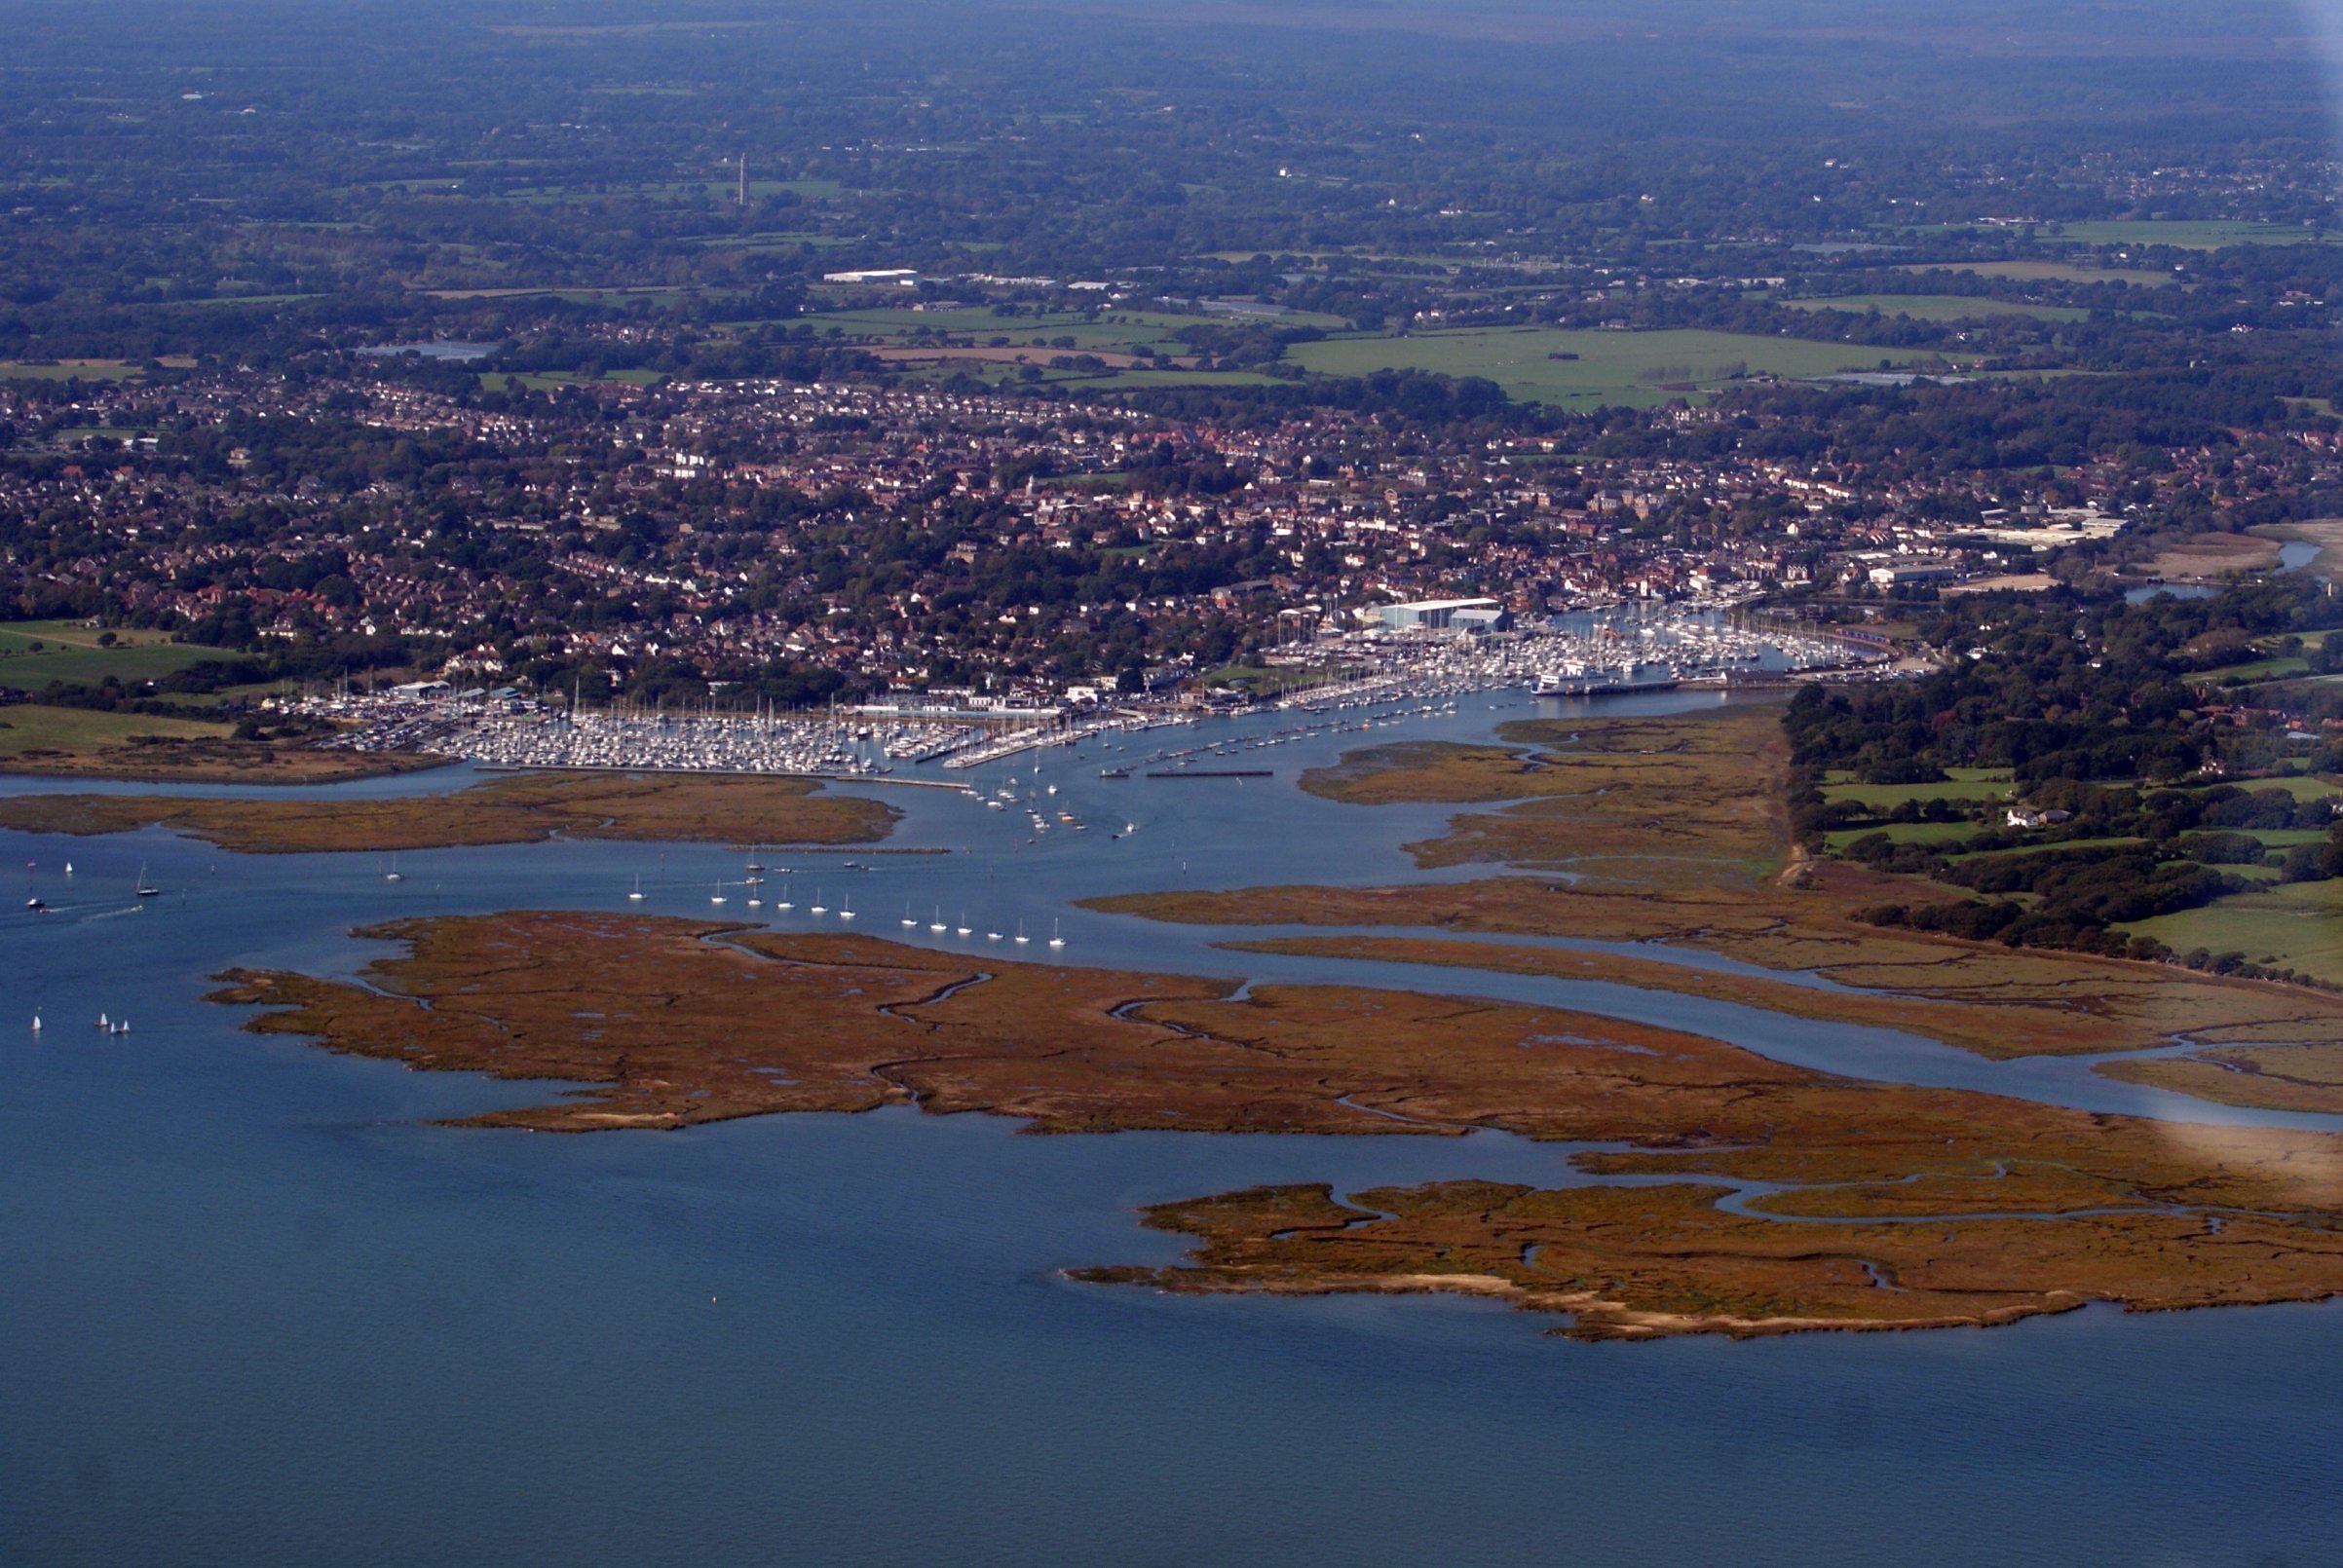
(740, 193)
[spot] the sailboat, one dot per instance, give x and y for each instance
(101, 1021)
(1056, 937)
(964, 928)
(394, 875)
(846, 908)
(992, 936)
(1022, 938)
(36, 1022)
(146, 889)
(636, 896)
(910, 920)
(937, 925)
(784, 902)
(817, 907)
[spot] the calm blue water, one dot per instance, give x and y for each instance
(252, 1310)
(2293, 554)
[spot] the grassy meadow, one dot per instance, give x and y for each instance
(1937, 307)
(1634, 369)
(68, 650)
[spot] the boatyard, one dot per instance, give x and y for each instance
(1355, 683)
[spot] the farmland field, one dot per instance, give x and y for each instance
(67, 369)
(1966, 784)
(30, 727)
(1936, 306)
(1621, 368)
(1117, 331)
(69, 651)
(2063, 272)
(2190, 234)
(2299, 926)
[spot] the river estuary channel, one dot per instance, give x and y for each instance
(260, 1308)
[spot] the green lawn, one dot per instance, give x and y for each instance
(1259, 678)
(1619, 368)
(69, 651)
(1936, 306)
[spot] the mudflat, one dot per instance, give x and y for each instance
(666, 808)
(1787, 1200)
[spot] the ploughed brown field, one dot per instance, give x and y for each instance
(1875, 1205)
(666, 808)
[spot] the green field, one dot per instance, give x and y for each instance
(1622, 368)
(69, 651)
(2283, 837)
(720, 189)
(2260, 669)
(29, 727)
(653, 295)
(1115, 331)
(68, 370)
(1110, 331)
(1936, 306)
(2184, 234)
(1183, 378)
(1965, 784)
(546, 381)
(2295, 927)
(1262, 680)
(1932, 834)
(2053, 846)
(2187, 235)
(789, 240)
(2063, 272)
(2301, 786)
